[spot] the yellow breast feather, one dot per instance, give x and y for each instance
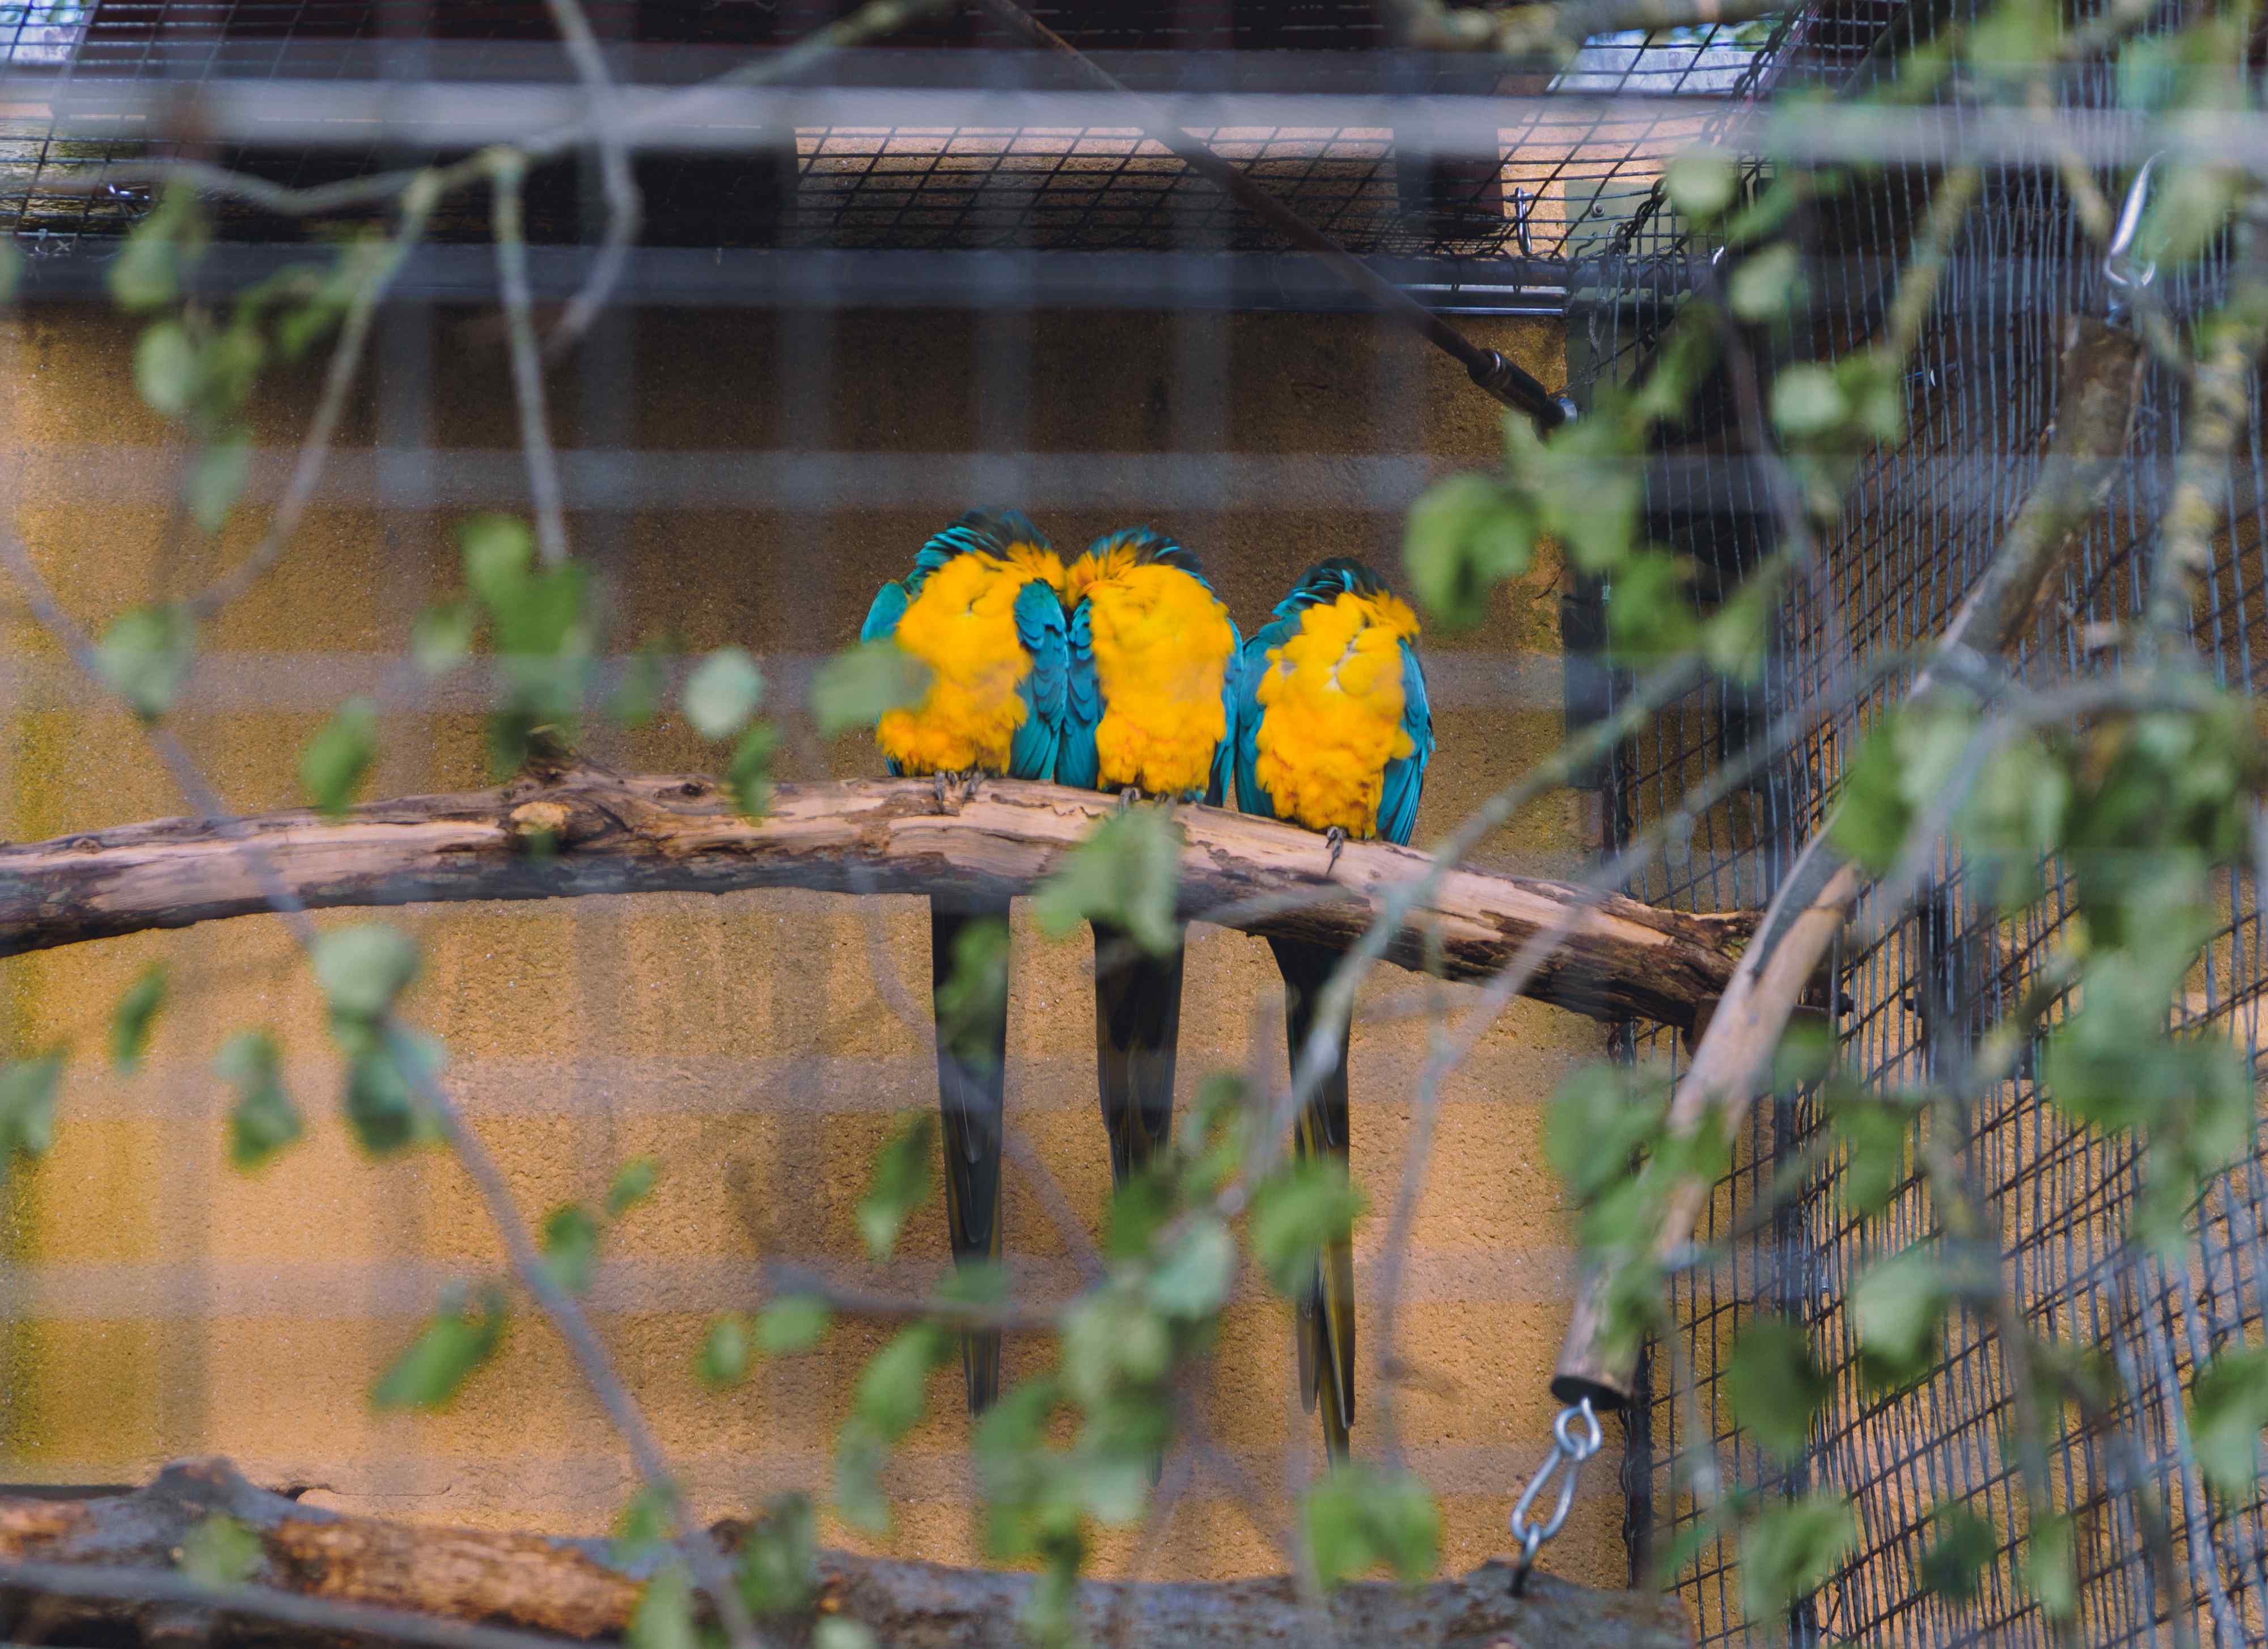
(1330, 712)
(1162, 642)
(963, 625)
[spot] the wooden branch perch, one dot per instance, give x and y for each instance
(568, 830)
(445, 1578)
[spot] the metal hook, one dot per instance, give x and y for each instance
(1569, 1449)
(2127, 279)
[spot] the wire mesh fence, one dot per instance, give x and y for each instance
(1916, 530)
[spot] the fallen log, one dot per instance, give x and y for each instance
(568, 830)
(94, 1568)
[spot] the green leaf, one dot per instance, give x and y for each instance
(1767, 283)
(971, 1002)
(1194, 1276)
(1896, 1306)
(1359, 1518)
(2228, 1406)
(217, 479)
(1774, 1385)
(840, 1632)
(1127, 874)
(339, 757)
(499, 552)
(1603, 1115)
(856, 689)
(724, 1358)
(28, 1102)
(1113, 1342)
(645, 678)
(146, 274)
(145, 656)
(168, 370)
(778, 1567)
(1650, 613)
(1806, 401)
(12, 269)
(1905, 762)
(859, 1455)
(641, 1528)
(901, 1182)
(663, 1618)
(724, 690)
(1701, 182)
(219, 1551)
(749, 775)
(893, 1388)
(570, 1247)
(263, 1121)
(634, 1182)
(793, 1324)
(136, 1013)
(383, 1106)
(1875, 1135)
(1466, 535)
(442, 637)
(457, 1340)
(364, 967)
(1791, 1551)
(1961, 1546)
(2050, 1567)
(1299, 1211)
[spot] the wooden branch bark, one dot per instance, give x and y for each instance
(568, 829)
(576, 1589)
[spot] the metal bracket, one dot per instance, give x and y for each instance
(1570, 1446)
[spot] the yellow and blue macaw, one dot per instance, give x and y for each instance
(981, 609)
(1148, 711)
(1333, 732)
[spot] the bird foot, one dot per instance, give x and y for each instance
(1127, 796)
(938, 782)
(970, 781)
(1337, 837)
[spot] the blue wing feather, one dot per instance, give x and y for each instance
(882, 619)
(1251, 665)
(1039, 628)
(1221, 783)
(1405, 776)
(1077, 761)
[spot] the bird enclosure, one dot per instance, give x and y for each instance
(928, 264)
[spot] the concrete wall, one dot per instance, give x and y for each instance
(164, 1305)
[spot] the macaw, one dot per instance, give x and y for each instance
(981, 608)
(1148, 711)
(1333, 732)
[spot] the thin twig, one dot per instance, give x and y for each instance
(624, 206)
(508, 170)
(338, 380)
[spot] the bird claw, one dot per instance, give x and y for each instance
(940, 781)
(1337, 837)
(970, 781)
(1127, 796)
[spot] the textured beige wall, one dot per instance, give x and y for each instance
(165, 1306)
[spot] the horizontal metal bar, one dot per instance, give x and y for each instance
(430, 114)
(73, 267)
(416, 114)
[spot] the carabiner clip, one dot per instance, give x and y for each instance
(1569, 1449)
(2127, 280)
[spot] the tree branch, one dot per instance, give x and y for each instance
(570, 830)
(321, 1574)
(2094, 422)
